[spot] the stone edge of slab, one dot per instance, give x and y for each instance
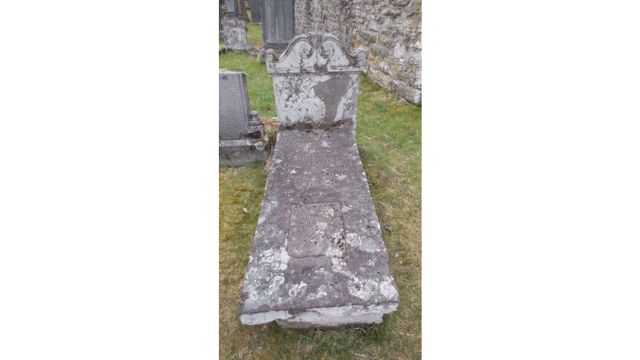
(322, 317)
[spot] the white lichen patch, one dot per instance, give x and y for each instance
(275, 259)
(371, 262)
(275, 284)
(368, 245)
(341, 176)
(320, 293)
(362, 288)
(330, 212)
(267, 206)
(353, 240)
(298, 289)
(387, 289)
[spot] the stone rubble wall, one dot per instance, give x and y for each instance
(390, 30)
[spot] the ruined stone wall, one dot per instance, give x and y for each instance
(389, 29)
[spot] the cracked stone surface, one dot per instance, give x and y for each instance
(318, 257)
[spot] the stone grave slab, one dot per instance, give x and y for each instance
(318, 257)
(241, 134)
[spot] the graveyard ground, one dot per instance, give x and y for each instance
(388, 136)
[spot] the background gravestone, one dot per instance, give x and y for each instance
(241, 11)
(234, 105)
(278, 25)
(256, 11)
(235, 9)
(220, 17)
(241, 134)
(235, 34)
(230, 7)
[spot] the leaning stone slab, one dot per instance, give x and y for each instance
(318, 257)
(242, 138)
(235, 34)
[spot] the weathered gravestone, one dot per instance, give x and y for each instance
(278, 25)
(256, 11)
(229, 7)
(221, 9)
(235, 9)
(242, 138)
(235, 34)
(241, 11)
(318, 257)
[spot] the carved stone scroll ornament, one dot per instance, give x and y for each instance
(315, 53)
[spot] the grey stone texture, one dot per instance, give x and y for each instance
(229, 6)
(235, 34)
(221, 10)
(390, 30)
(278, 23)
(241, 137)
(235, 9)
(315, 81)
(241, 10)
(256, 11)
(318, 257)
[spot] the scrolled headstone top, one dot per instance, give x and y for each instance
(315, 53)
(234, 22)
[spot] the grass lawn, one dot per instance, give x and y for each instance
(388, 136)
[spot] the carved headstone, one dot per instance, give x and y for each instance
(318, 257)
(256, 11)
(235, 34)
(278, 25)
(242, 138)
(316, 83)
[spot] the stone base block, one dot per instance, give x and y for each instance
(323, 317)
(242, 152)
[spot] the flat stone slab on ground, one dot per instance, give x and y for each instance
(318, 256)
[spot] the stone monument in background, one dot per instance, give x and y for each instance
(278, 25)
(235, 9)
(242, 138)
(235, 34)
(256, 11)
